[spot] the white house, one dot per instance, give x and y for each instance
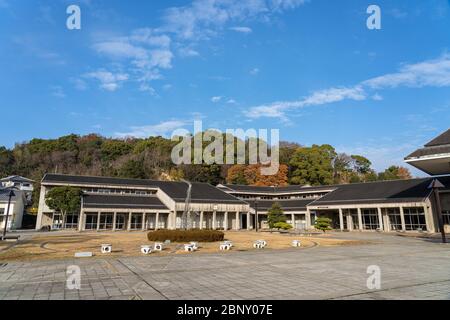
(16, 208)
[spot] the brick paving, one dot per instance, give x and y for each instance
(410, 269)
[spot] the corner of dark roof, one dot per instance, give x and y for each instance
(442, 139)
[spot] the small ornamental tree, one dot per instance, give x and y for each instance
(64, 200)
(275, 215)
(323, 224)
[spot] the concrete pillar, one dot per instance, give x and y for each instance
(81, 221)
(201, 220)
(129, 221)
(225, 222)
(387, 226)
(214, 220)
(380, 218)
(114, 221)
(293, 220)
(248, 221)
(157, 221)
(144, 221)
(236, 225)
(341, 219)
(308, 219)
(349, 221)
(429, 219)
(360, 222)
(402, 219)
(98, 220)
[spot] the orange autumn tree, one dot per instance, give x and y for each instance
(251, 175)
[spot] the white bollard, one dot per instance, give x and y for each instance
(158, 246)
(146, 249)
(194, 245)
(106, 248)
(228, 243)
(296, 243)
(262, 242)
(225, 247)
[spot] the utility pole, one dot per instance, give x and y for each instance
(11, 194)
(435, 186)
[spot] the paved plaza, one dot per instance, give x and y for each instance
(410, 269)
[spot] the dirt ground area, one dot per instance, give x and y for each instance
(54, 246)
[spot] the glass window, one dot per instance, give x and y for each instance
(415, 219)
(445, 216)
(370, 219)
(395, 221)
(106, 221)
(355, 222)
(91, 221)
(57, 221)
(120, 221)
(136, 221)
(71, 221)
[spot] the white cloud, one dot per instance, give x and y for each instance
(377, 97)
(161, 129)
(204, 18)
(216, 99)
(254, 71)
(277, 109)
(231, 101)
(430, 73)
(188, 52)
(108, 81)
(242, 29)
(58, 91)
(144, 87)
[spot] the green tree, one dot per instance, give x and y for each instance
(313, 165)
(275, 215)
(361, 164)
(395, 173)
(64, 200)
(323, 224)
(132, 169)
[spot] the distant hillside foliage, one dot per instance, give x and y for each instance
(151, 159)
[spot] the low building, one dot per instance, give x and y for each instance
(131, 204)
(20, 183)
(16, 208)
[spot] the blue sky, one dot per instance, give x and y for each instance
(310, 68)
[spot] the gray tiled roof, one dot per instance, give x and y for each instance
(443, 139)
(437, 146)
(429, 151)
(287, 205)
(413, 190)
(201, 192)
(274, 190)
(120, 201)
(16, 179)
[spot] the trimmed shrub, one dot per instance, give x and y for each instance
(282, 225)
(186, 235)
